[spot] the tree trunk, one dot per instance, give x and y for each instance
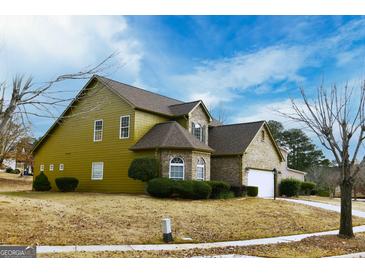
(346, 210)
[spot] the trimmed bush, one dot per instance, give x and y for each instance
(143, 169)
(252, 191)
(41, 183)
(9, 170)
(226, 195)
(218, 187)
(289, 187)
(201, 190)
(323, 193)
(192, 189)
(307, 187)
(238, 191)
(67, 184)
(183, 189)
(160, 187)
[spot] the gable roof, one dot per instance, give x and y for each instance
(140, 98)
(234, 139)
(137, 98)
(170, 135)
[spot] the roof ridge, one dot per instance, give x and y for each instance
(184, 103)
(144, 90)
(261, 121)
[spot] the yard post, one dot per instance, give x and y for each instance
(166, 230)
(275, 182)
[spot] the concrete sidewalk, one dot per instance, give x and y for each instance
(356, 213)
(157, 247)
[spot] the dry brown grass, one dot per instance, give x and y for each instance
(13, 182)
(358, 205)
(313, 247)
(54, 218)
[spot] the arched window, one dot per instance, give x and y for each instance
(176, 168)
(200, 169)
(198, 131)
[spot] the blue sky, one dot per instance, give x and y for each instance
(246, 66)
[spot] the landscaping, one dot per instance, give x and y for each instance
(57, 218)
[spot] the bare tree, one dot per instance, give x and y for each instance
(338, 120)
(359, 182)
(25, 98)
(14, 131)
(326, 178)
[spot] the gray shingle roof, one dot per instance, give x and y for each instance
(183, 108)
(169, 135)
(232, 139)
(141, 98)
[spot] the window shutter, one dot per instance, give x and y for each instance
(203, 134)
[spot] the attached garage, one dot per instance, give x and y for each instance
(264, 180)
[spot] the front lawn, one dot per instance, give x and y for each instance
(313, 247)
(358, 205)
(54, 218)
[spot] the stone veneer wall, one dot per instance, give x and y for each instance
(190, 160)
(199, 116)
(261, 155)
(227, 168)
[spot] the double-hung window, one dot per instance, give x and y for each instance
(198, 131)
(200, 169)
(61, 167)
(98, 130)
(124, 127)
(97, 171)
(176, 169)
(41, 167)
(51, 167)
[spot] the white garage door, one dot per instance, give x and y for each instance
(264, 180)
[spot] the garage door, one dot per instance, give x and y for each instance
(264, 180)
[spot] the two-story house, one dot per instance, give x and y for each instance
(110, 123)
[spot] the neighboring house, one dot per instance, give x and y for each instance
(287, 172)
(109, 124)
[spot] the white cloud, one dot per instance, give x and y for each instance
(73, 41)
(224, 79)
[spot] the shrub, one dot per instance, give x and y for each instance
(307, 187)
(218, 187)
(323, 193)
(201, 190)
(183, 189)
(143, 169)
(160, 187)
(252, 191)
(192, 189)
(289, 187)
(41, 183)
(9, 170)
(226, 195)
(67, 184)
(238, 191)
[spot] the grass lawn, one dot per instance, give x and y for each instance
(313, 247)
(13, 182)
(53, 218)
(358, 205)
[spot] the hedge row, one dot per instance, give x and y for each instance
(292, 187)
(188, 189)
(64, 184)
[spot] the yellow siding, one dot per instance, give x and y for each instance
(71, 143)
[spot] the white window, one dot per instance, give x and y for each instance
(51, 167)
(41, 168)
(200, 169)
(98, 130)
(61, 167)
(97, 171)
(198, 131)
(176, 168)
(124, 127)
